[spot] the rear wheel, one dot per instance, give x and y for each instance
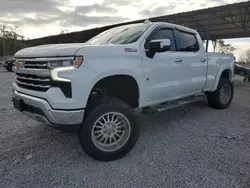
(110, 131)
(241, 73)
(222, 97)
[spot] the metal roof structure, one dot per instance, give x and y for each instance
(222, 22)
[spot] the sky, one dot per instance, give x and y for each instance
(38, 18)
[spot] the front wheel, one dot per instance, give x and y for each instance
(10, 68)
(110, 130)
(222, 97)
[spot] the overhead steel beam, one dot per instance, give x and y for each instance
(244, 17)
(199, 26)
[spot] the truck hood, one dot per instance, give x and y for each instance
(51, 50)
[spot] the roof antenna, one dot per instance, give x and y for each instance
(147, 21)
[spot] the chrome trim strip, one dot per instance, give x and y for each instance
(37, 72)
(36, 65)
(33, 85)
(46, 59)
(33, 79)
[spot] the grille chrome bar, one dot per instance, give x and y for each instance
(36, 72)
(35, 65)
(46, 59)
(33, 85)
(34, 79)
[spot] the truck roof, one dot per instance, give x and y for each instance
(166, 24)
(175, 26)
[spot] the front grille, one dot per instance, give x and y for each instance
(36, 65)
(33, 82)
(35, 74)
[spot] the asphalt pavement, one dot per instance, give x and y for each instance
(191, 146)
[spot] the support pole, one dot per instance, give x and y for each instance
(3, 35)
(214, 42)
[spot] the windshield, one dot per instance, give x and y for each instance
(120, 35)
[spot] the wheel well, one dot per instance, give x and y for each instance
(226, 74)
(123, 87)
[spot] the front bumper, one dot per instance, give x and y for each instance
(39, 109)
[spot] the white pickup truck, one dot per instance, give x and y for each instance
(93, 88)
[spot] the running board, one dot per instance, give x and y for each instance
(173, 104)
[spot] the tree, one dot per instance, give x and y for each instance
(64, 31)
(10, 40)
(221, 47)
(245, 57)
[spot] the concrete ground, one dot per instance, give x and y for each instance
(191, 146)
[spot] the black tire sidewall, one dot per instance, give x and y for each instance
(241, 73)
(9, 67)
(85, 132)
(217, 93)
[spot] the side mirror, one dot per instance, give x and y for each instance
(159, 45)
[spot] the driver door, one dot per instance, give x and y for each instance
(162, 72)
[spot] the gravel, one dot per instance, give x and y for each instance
(191, 146)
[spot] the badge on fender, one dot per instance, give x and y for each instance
(130, 50)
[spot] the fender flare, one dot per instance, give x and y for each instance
(219, 73)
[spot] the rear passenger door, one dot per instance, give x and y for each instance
(192, 59)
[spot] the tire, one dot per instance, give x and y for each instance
(12, 68)
(109, 108)
(241, 73)
(9, 68)
(214, 98)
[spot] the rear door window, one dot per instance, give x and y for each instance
(187, 42)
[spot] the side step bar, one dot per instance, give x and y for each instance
(173, 104)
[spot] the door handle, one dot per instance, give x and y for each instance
(177, 60)
(203, 60)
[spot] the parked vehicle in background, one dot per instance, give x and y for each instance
(94, 87)
(9, 65)
(242, 71)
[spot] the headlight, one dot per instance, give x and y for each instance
(61, 63)
(18, 64)
(76, 62)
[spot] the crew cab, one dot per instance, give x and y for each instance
(93, 88)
